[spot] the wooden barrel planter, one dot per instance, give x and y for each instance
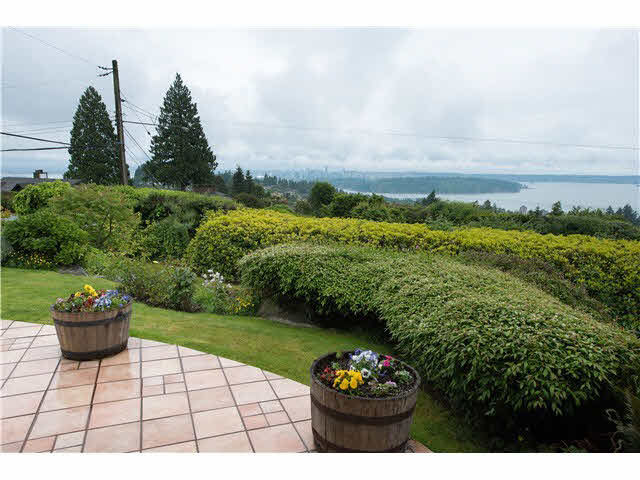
(347, 423)
(92, 335)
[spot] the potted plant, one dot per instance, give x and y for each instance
(362, 402)
(92, 324)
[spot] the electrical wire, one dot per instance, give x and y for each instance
(61, 50)
(34, 138)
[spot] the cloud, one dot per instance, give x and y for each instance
(343, 92)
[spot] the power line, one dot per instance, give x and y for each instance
(34, 138)
(61, 50)
(138, 116)
(32, 149)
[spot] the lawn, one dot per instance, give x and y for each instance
(283, 349)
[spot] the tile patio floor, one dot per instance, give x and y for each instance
(152, 397)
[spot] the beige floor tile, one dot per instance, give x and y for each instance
(125, 356)
(10, 447)
(114, 413)
(165, 406)
(60, 421)
(256, 421)
(217, 422)
(150, 381)
(271, 376)
(34, 383)
(20, 324)
(277, 418)
(184, 447)
(114, 391)
(187, 352)
(232, 443)
(176, 378)
(243, 375)
(89, 364)
(298, 408)
(4, 324)
(20, 404)
(152, 390)
(35, 367)
(45, 341)
(74, 378)
(64, 367)
(42, 352)
(12, 356)
(118, 438)
(69, 440)
(282, 438)
(204, 379)
(210, 398)
(200, 362)
(158, 353)
(134, 343)
(175, 387)
(226, 363)
(44, 444)
(305, 431)
(272, 406)
(15, 429)
(249, 409)
(125, 371)
(67, 398)
(252, 392)
(76, 449)
(48, 330)
(21, 332)
(161, 367)
(288, 388)
(166, 431)
(151, 343)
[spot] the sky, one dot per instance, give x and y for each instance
(354, 99)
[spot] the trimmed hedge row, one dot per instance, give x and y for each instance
(608, 269)
(492, 343)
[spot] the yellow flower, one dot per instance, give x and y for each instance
(344, 385)
(90, 290)
(354, 383)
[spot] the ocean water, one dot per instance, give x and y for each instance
(543, 195)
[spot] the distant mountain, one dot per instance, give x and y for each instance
(457, 184)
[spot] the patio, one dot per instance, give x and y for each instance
(152, 397)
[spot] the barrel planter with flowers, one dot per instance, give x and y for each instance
(362, 402)
(92, 324)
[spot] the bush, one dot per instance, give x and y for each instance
(6, 200)
(165, 239)
(609, 270)
(34, 197)
(164, 286)
(281, 207)
(491, 343)
(104, 213)
(52, 237)
(249, 200)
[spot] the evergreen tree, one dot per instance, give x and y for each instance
(556, 209)
(181, 155)
(238, 182)
(610, 210)
(430, 198)
(249, 185)
(94, 149)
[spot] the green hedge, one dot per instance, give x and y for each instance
(492, 343)
(36, 196)
(609, 270)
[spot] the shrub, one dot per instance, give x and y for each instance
(104, 213)
(609, 270)
(6, 200)
(281, 207)
(57, 239)
(166, 239)
(493, 344)
(34, 197)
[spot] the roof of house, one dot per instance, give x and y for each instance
(9, 184)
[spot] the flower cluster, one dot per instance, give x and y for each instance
(366, 373)
(214, 280)
(91, 300)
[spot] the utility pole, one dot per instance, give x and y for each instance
(116, 92)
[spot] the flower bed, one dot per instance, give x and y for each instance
(365, 374)
(91, 300)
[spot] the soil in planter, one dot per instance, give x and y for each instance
(368, 389)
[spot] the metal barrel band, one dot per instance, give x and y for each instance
(96, 353)
(121, 316)
(326, 445)
(358, 420)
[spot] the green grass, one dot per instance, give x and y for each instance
(283, 349)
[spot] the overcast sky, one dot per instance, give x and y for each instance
(340, 91)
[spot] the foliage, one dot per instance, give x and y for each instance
(426, 184)
(279, 207)
(165, 239)
(6, 200)
(491, 343)
(48, 237)
(216, 296)
(4, 213)
(303, 207)
(627, 436)
(94, 156)
(32, 260)
(36, 196)
(609, 270)
(180, 151)
(321, 194)
(105, 214)
(91, 300)
(249, 200)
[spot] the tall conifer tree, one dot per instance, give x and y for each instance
(181, 155)
(94, 150)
